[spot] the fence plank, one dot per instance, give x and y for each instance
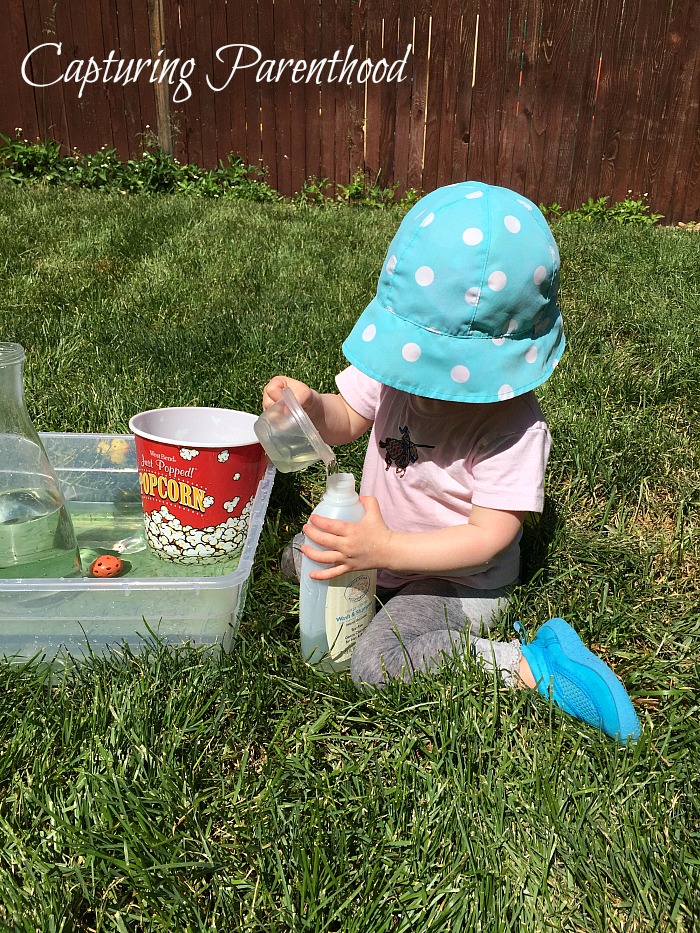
(527, 94)
(142, 43)
(387, 93)
(464, 67)
(328, 95)
(487, 94)
(218, 33)
(310, 122)
(419, 96)
(373, 113)
(98, 100)
(637, 118)
(186, 115)
(24, 106)
(10, 75)
(676, 135)
(402, 120)
(581, 141)
(295, 49)
(347, 95)
(446, 16)
(617, 48)
(118, 137)
(267, 127)
(435, 89)
(517, 84)
(356, 94)
(554, 78)
(284, 48)
(235, 95)
(203, 142)
(81, 129)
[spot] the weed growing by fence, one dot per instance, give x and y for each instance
(629, 211)
(156, 172)
(42, 163)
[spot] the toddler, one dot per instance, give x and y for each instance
(443, 363)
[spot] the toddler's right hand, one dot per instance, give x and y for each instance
(273, 391)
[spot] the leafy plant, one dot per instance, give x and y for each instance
(21, 160)
(630, 211)
(314, 191)
(156, 172)
(363, 190)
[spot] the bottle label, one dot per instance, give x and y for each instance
(349, 610)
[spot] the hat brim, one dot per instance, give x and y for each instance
(387, 347)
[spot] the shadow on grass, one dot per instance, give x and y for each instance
(537, 543)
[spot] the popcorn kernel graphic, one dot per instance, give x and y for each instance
(182, 543)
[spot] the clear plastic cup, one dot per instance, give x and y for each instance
(289, 437)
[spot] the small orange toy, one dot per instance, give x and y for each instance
(106, 566)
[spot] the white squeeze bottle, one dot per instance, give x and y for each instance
(333, 613)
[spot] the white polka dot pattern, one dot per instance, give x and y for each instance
(425, 276)
(472, 236)
(467, 307)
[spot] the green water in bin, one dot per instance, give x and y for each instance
(101, 529)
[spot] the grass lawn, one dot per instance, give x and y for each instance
(170, 791)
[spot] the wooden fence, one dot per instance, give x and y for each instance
(561, 99)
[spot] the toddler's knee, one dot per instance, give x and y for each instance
(366, 668)
(373, 665)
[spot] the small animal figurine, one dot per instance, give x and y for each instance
(116, 450)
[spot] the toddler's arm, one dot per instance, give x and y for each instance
(369, 543)
(335, 420)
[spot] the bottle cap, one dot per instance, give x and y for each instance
(340, 487)
(341, 482)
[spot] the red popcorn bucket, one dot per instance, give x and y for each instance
(199, 470)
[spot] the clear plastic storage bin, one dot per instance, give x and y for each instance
(201, 605)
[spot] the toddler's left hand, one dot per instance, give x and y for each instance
(362, 545)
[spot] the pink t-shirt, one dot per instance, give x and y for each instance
(428, 469)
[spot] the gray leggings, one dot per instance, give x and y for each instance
(423, 625)
(426, 623)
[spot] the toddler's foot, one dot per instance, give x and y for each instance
(581, 684)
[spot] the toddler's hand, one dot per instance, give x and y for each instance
(273, 391)
(362, 545)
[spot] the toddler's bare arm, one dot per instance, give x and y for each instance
(476, 544)
(369, 543)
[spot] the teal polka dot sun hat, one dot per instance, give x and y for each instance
(466, 305)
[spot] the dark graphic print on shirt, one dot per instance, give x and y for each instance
(401, 452)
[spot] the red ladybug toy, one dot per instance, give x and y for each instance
(106, 566)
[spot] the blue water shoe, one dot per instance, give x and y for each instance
(580, 683)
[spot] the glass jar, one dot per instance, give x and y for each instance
(36, 533)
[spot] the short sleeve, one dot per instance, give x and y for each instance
(509, 470)
(361, 392)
